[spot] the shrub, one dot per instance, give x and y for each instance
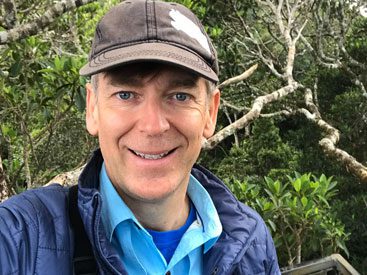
(298, 214)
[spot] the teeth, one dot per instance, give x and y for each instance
(148, 156)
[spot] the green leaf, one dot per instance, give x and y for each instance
(304, 201)
(297, 185)
(277, 186)
(80, 99)
(272, 225)
(323, 178)
(5, 129)
(8, 131)
(321, 198)
(341, 244)
(267, 206)
(314, 184)
(46, 70)
(295, 202)
(332, 185)
(59, 63)
(307, 214)
(15, 69)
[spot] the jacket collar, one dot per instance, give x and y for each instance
(89, 203)
(238, 222)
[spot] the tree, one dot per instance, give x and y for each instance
(42, 94)
(14, 31)
(292, 71)
(286, 40)
(284, 25)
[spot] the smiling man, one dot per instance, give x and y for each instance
(145, 206)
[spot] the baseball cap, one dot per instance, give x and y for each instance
(152, 31)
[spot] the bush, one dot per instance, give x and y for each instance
(261, 153)
(298, 214)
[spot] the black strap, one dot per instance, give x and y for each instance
(84, 261)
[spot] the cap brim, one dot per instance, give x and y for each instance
(157, 52)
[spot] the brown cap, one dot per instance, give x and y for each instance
(152, 31)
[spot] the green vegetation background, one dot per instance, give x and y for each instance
(277, 167)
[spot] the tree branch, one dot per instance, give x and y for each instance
(328, 143)
(225, 103)
(5, 190)
(238, 78)
(9, 20)
(254, 113)
(42, 22)
(67, 178)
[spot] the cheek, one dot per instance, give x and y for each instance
(114, 124)
(192, 126)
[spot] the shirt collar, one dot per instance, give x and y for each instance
(114, 209)
(207, 213)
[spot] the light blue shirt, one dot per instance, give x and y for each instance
(135, 245)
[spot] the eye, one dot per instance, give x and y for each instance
(182, 97)
(125, 95)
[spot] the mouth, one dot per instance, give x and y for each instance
(152, 156)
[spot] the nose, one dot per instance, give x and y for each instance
(152, 118)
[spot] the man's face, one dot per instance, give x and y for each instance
(150, 128)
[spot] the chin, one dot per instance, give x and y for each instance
(151, 197)
(153, 191)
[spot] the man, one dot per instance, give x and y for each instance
(145, 206)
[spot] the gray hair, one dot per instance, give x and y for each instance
(210, 87)
(94, 82)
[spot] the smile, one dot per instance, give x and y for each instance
(152, 156)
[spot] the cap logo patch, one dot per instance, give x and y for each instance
(181, 23)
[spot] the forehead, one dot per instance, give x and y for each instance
(141, 73)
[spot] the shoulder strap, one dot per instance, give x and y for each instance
(84, 261)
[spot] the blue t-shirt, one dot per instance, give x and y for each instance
(167, 241)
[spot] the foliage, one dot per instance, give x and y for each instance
(298, 213)
(350, 112)
(42, 129)
(262, 153)
(42, 97)
(355, 221)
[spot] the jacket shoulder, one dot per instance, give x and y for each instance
(33, 205)
(260, 256)
(34, 225)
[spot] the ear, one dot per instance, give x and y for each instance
(91, 116)
(212, 116)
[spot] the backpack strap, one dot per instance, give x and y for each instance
(84, 261)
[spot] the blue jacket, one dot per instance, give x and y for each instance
(35, 234)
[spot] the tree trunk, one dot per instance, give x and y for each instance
(298, 247)
(5, 190)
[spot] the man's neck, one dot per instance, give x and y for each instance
(169, 214)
